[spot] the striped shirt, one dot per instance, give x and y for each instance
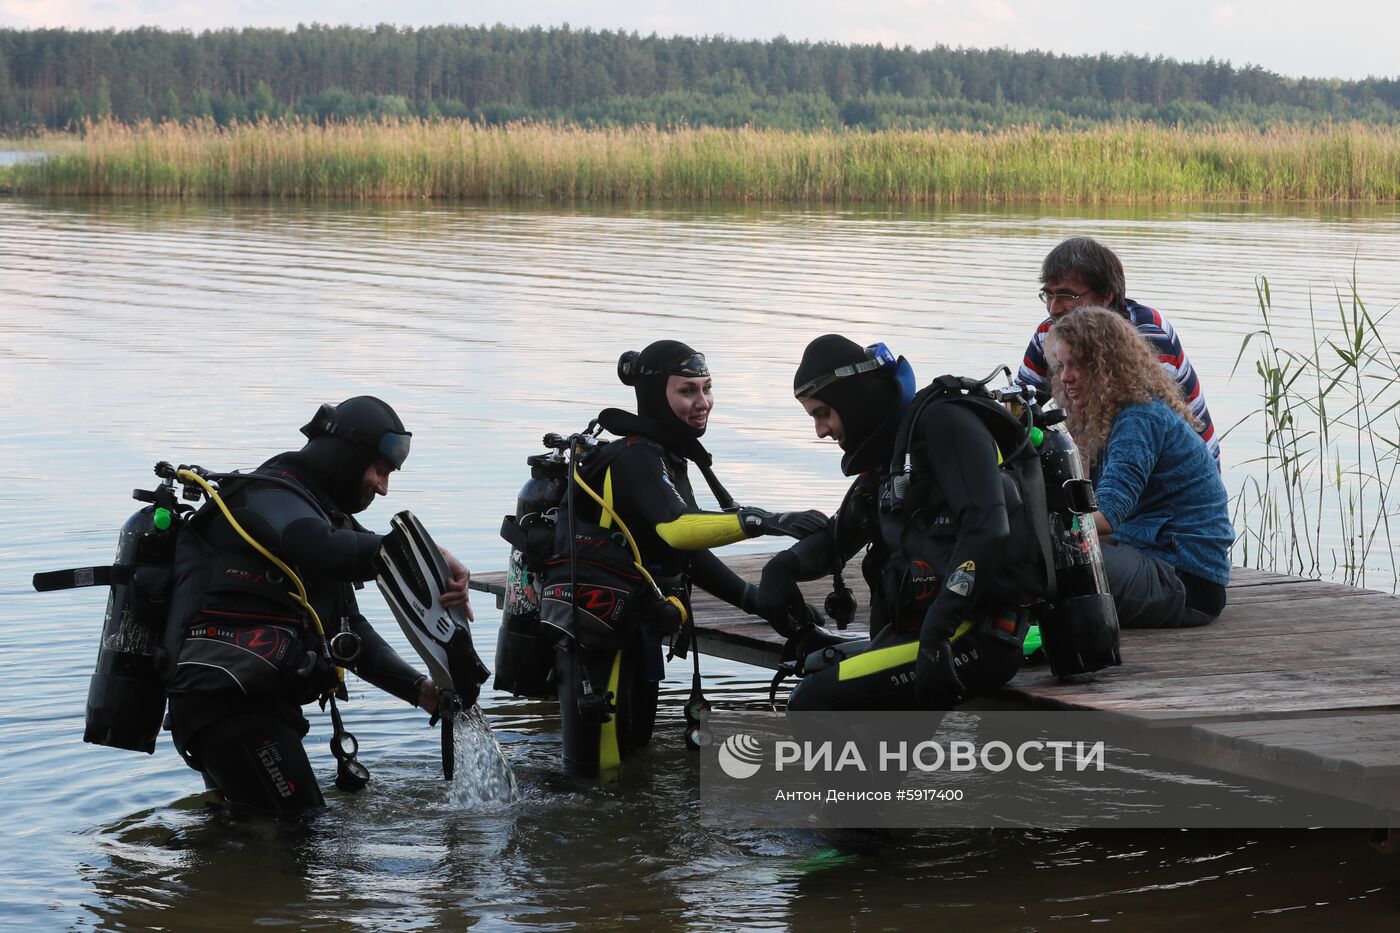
(1035, 371)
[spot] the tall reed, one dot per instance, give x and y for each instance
(1323, 502)
(410, 159)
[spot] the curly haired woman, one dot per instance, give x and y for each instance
(1163, 510)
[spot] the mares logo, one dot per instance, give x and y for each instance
(924, 579)
(270, 756)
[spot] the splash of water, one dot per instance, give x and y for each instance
(482, 779)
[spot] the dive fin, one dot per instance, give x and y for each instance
(412, 575)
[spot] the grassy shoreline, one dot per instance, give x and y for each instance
(1114, 164)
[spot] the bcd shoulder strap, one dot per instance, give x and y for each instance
(1013, 439)
(1011, 436)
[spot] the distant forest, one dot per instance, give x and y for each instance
(59, 78)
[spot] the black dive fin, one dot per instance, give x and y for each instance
(412, 575)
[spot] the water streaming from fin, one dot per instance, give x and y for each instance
(482, 779)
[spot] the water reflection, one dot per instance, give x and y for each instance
(206, 333)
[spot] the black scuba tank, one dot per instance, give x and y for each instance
(524, 650)
(1080, 630)
(126, 698)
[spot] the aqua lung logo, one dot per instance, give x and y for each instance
(604, 602)
(264, 640)
(599, 600)
(740, 756)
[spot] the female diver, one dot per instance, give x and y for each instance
(608, 673)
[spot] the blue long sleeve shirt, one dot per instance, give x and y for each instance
(1160, 490)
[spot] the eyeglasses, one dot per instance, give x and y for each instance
(1046, 296)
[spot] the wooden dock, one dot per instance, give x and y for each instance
(1297, 683)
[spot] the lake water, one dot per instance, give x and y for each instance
(208, 333)
(16, 157)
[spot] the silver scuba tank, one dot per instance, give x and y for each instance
(1080, 631)
(524, 650)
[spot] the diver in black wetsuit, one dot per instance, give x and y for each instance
(240, 652)
(643, 476)
(949, 569)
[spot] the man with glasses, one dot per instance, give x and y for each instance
(241, 658)
(1082, 271)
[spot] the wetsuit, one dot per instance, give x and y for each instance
(949, 572)
(649, 487)
(240, 652)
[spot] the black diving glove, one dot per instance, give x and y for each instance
(936, 681)
(757, 522)
(778, 593)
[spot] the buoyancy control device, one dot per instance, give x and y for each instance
(1078, 621)
(577, 579)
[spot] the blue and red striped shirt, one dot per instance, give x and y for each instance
(1035, 371)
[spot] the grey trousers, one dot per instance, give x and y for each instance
(1146, 590)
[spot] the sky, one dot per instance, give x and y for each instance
(1300, 38)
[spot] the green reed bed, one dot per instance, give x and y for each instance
(1111, 164)
(1320, 499)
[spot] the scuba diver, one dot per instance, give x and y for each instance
(240, 654)
(958, 544)
(608, 664)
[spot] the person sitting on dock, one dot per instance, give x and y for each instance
(1163, 510)
(1082, 271)
(949, 569)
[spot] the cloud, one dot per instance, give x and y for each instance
(34, 14)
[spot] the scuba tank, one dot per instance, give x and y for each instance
(524, 652)
(1080, 628)
(126, 696)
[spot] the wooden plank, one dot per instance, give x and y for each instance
(1253, 576)
(1366, 686)
(1364, 746)
(1349, 614)
(1292, 592)
(1353, 757)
